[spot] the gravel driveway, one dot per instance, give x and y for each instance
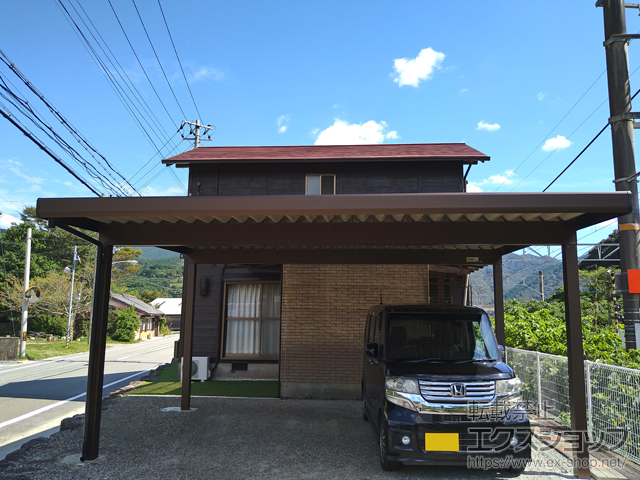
(226, 438)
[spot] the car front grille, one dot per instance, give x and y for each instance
(457, 392)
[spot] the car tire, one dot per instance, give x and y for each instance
(516, 470)
(383, 448)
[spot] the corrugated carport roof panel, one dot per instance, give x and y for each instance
(426, 151)
(585, 208)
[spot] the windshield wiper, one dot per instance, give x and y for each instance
(476, 360)
(435, 360)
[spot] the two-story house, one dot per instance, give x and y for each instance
(303, 323)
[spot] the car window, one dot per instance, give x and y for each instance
(376, 329)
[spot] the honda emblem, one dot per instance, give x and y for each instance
(458, 390)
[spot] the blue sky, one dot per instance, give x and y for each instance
(498, 76)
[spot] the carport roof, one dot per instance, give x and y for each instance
(404, 228)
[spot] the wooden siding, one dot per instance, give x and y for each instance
(351, 178)
(206, 313)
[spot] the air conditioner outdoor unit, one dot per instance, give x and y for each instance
(199, 368)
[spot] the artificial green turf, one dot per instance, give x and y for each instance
(168, 384)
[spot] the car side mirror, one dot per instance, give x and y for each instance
(371, 350)
(501, 348)
(503, 354)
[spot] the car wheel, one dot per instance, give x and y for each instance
(383, 441)
(516, 470)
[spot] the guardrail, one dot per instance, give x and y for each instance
(613, 397)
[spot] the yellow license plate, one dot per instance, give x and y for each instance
(441, 442)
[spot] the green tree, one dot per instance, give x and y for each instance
(124, 325)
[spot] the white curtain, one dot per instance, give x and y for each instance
(242, 337)
(253, 301)
(243, 301)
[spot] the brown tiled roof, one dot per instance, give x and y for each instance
(427, 151)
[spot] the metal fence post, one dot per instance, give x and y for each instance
(589, 399)
(539, 383)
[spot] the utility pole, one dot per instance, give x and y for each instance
(624, 162)
(195, 131)
(541, 285)
(25, 301)
(73, 276)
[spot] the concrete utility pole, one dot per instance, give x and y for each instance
(73, 276)
(25, 301)
(195, 131)
(541, 275)
(624, 161)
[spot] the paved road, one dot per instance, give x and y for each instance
(36, 396)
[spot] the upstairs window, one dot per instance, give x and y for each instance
(321, 185)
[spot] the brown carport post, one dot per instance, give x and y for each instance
(575, 354)
(187, 342)
(95, 374)
(498, 301)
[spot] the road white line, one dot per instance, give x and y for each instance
(60, 359)
(141, 353)
(62, 402)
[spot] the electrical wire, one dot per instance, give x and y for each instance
(139, 62)
(7, 114)
(158, 59)
(584, 149)
(81, 139)
(551, 131)
(179, 62)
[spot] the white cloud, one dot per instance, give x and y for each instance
(202, 73)
(343, 133)
(14, 167)
(557, 143)
(6, 220)
(392, 135)
(464, 90)
(411, 71)
(283, 120)
(498, 179)
(541, 96)
(315, 131)
(489, 127)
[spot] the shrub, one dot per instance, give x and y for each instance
(51, 324)
(123, 325)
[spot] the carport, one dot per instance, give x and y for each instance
(451, 228)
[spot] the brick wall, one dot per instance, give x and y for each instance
(323, 314)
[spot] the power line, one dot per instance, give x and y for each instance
(583, 150)
(139, 62)
(551, 131)
(116, 87)
(62, 119)
(158, 59)
(179, 62)
(7, 114)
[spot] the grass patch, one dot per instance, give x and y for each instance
(41, 349)
(168, 384)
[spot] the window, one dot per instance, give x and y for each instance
(252, 320)
(440, 288)
(321, 185)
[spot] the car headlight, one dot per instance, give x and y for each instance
(399, 384)
(508, 387)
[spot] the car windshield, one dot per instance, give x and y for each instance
(441, 337)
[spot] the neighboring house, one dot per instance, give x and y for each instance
(172, 310)
(303, 323)
(149, 316)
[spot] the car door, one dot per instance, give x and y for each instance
(369, 364)
(378, 366)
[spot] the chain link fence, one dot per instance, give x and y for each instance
(613, 397)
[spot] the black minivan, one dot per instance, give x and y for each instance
(437, 392)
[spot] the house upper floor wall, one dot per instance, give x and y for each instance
(357, 169)
(226, 179)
